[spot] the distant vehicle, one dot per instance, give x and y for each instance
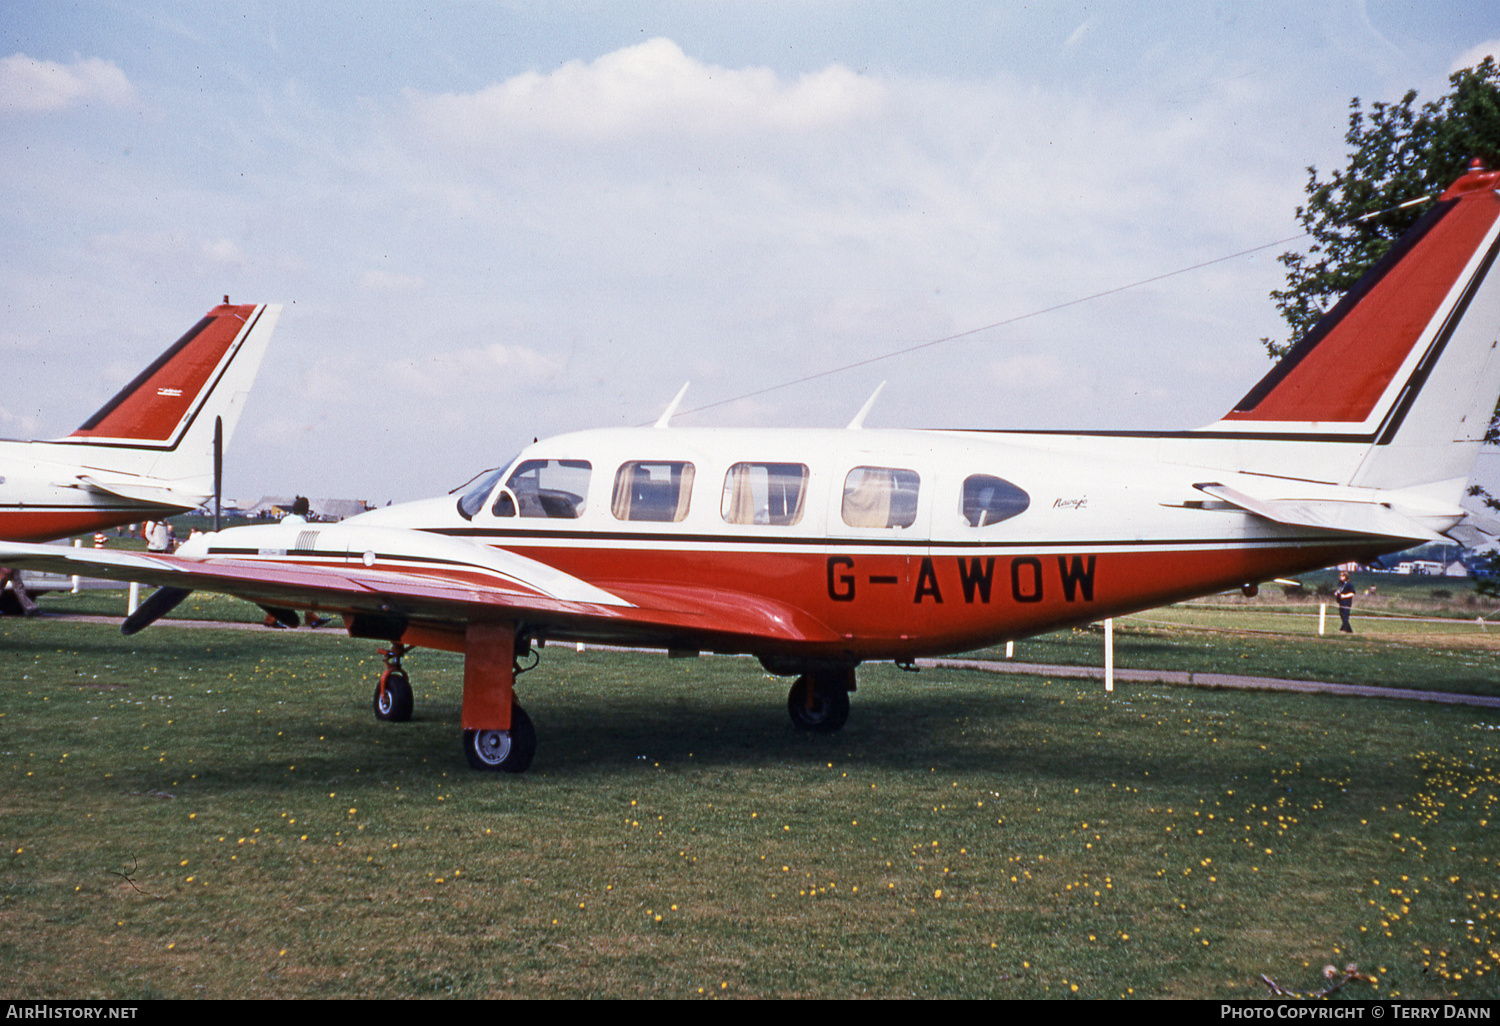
(149, 452)
(819, 550)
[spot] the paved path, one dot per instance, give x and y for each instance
(1180, 677)
(1214, 680)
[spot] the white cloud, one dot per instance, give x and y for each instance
(652, 88)
(1078, 34)
(17, 425)
(31, 85)
(1028, 371)
(1474, 54)
(223, 251)
(139, 243)
(385, 281)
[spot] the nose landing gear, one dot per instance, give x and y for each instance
(393, 696)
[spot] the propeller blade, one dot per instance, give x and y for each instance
(161, 602)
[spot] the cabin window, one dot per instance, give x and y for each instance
(545, 488)
(472, 500)
(880, 497)
(652, 491)
(988, 500)
(764, 493)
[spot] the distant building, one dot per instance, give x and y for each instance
(274, 507)
(1430, 567)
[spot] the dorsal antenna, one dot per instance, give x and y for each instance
(859, 418)
(666, 416)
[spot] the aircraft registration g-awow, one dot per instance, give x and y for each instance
(149, 452)
(818, 550)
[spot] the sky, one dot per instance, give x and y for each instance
(492, 221)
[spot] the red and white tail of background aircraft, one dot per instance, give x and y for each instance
(818, 550)
(149, 452)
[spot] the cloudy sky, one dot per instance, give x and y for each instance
(490, 221)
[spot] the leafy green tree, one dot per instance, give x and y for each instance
(1487, 574)
(1398, 153)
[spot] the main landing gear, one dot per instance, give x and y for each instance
(819, 700)
(505, 751)
(498, 735)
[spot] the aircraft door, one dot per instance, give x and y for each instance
(880, 582)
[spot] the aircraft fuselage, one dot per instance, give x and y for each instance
(881, 544)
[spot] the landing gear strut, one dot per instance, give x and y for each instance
(819, 700)
(393, 697)
(498, 735)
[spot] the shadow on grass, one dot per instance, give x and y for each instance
(975, 732)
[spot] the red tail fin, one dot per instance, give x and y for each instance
(161, 401)
(1343, 369)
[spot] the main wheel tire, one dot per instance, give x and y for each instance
(394, 703)
(827, 712)
(501, 751)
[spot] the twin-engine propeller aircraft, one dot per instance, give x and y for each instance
(817, 550)
(151, 451)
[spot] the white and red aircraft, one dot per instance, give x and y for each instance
(817, 550)
(151, 450)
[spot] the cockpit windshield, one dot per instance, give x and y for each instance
(472, 500)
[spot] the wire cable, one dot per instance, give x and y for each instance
(989, 327)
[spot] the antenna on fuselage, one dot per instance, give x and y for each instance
(859, 418)
(666, 416)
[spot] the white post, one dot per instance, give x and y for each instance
(1010, 649)
(135, 597)
(77, 544)
(1109, 654)
(1322, 616)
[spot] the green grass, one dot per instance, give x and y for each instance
(216, 813)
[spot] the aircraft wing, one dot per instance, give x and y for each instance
(1370, 518)
(442, 583)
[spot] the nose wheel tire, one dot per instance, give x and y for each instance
(502, 751)
(393, 703)
(828, 709)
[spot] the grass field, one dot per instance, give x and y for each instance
(216, 813)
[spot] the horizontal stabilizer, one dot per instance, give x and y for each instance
(1369, 518)
(1479, 529)
(143, 490)
(1472, 537)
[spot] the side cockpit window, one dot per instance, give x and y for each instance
(764, 493)
(988, 500)
(880, 497)
(556, 489)
(652, 491)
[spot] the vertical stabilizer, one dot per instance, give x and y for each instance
(217, 358)
(1406, 363)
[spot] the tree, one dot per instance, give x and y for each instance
(1398, 153)
(1486, 572)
